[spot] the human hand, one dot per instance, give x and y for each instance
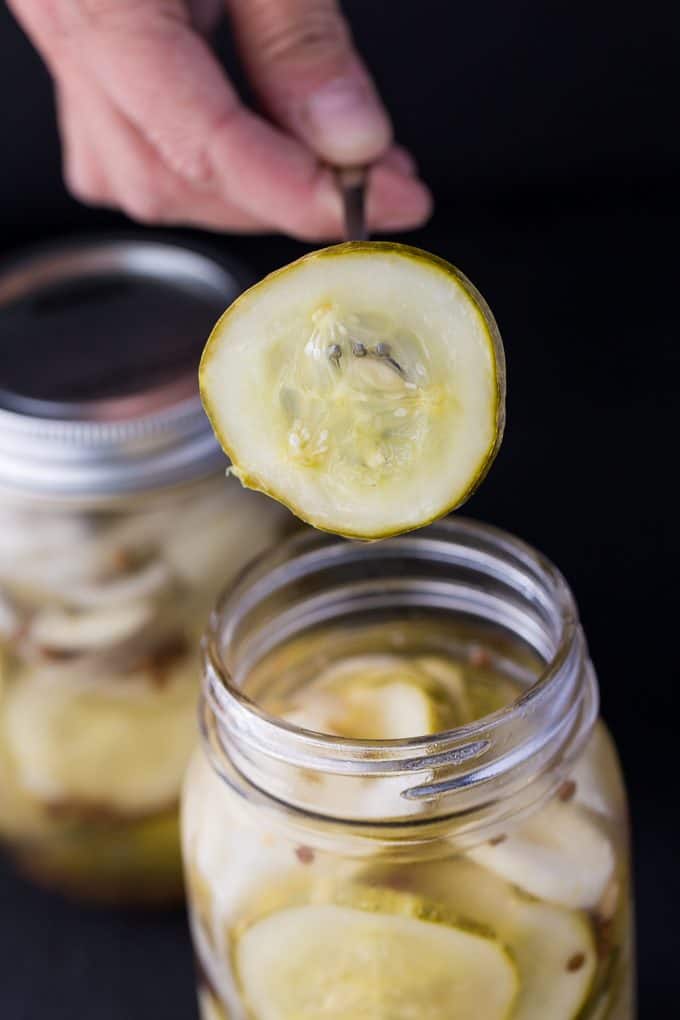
(150, 123)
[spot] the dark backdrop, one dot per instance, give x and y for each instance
(549, 134)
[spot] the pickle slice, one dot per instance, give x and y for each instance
(396, 709)
(208, 1006)
(552, 947)
(20, 817)
(596, 777)
(372, 697)
(363, 387)
(120, 744)
(62, 630)
(369, 697)
(10, 621)
(332, 962)
(559, 854)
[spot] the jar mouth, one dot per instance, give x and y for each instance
(551, 717)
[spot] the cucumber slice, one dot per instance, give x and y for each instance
(452, 691)
(228, 864)
(208, 1006)
(210, 543)
(61, 630)
(552, 947)
(363, 386)
(597, 777)
(10, 620)
(383, 697)
(121, 744)
(559, 854)
(332, 963)
(395, 710)
(149, 581)
(17, 813)
(368, 697)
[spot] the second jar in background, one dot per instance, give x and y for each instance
(117, 526)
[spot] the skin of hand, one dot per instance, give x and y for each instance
(151, 124)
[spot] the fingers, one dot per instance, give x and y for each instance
(300, 57)
(82, 168)
(142, 186)
(151, 123)
(401, 161)
(164, 79)
(395, 201)
(97, 138)
(206, 14)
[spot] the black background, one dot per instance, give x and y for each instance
(549, 133)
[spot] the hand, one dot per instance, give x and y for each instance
(150, 123)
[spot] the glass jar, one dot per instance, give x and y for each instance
(477, 872)
(117, 525)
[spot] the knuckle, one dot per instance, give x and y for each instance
(68, 19)
(125, 14)
(320, 35)
(187, 158)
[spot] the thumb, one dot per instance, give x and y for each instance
(301, 59)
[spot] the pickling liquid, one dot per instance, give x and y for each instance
(530, 924)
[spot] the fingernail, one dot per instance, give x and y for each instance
(345, 122)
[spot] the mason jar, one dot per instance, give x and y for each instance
(480, 871)
(117, 527)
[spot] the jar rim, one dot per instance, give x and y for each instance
(562, 701)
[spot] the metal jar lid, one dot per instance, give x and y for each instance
(99, 347)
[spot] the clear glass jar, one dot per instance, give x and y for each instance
(478, 872)
(117, 525)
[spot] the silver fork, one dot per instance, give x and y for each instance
(351, 182)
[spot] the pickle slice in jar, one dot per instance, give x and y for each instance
(385, 697)
(596, 777)
(68, 631)
(333, 962)
(372, 697)
(118, 744)
(209, 1008)
(10, 621)
(397, 709)
(362, 386)
(552, 947)
(559, 854)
